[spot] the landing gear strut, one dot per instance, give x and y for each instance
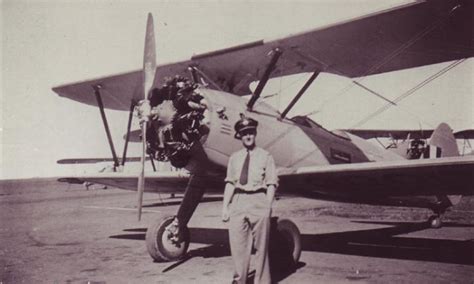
(435, 221)
(439, 209)
(166, 240)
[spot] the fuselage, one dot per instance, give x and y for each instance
(294, 143)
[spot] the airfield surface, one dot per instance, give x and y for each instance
(58, 233)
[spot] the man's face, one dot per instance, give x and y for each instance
(248, 138)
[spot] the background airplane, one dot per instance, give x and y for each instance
(311, 160)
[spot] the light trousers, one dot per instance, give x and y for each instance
(249, 226)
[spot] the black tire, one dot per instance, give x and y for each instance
(285, 247)
(292, 236)
(162, 249)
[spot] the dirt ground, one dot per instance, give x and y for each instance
(57, 233)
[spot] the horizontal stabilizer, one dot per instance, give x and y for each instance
(135, 136)
(465, 134)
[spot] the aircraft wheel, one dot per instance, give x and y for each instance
(435, 222)
(163, 243)
(286, 243)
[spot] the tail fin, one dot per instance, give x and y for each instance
(442, 142)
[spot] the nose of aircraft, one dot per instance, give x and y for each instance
(177, 123)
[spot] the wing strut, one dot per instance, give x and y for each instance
(106, 124)
(192, 71)
(127, 138)
(276, 55)
(300, 93)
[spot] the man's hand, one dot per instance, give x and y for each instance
(225, 214)
(271, 194)
(228, 193)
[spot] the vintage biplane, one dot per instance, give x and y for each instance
(311, 160)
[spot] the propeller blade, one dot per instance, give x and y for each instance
(141, 177)
(149, 58)
(149, 67)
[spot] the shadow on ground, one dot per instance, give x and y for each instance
(381, 242)
(386, 243)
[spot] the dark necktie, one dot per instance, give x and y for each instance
(245, 170)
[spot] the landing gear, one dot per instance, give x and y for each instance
(435, 221)
(285, 244)
(166, 240)
(439, 208)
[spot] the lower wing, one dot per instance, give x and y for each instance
(372, 180)
(442, 176)
(162, 182)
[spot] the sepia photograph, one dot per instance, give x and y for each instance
(237, 141)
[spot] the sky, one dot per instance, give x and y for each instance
(51, 43)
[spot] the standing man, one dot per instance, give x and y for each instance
(249, 192)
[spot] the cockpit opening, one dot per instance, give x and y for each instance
(308, 122)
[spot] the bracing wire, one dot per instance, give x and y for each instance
(409, 92)
(391, 56)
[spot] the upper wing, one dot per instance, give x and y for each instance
(162, 182)
(413, 35)
(443, 176)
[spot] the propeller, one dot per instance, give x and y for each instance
(149, 68)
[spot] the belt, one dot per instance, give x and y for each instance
(260, 190)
